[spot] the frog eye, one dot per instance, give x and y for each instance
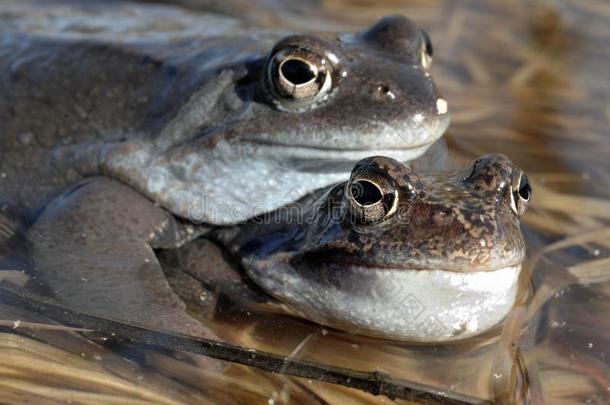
(426, 50)
(370, 201)
(521, 193)
(299, 76)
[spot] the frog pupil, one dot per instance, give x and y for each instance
(427, 43)
(366, 193)
(524, 188)
(297, 71)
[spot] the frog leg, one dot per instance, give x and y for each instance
(94, 246)
(206, 265)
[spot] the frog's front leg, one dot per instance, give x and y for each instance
(94, 246)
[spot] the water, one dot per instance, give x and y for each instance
(528, 79)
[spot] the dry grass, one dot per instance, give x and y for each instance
(527, 79)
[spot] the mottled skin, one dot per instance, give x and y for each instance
(438, 246)
(114, 135)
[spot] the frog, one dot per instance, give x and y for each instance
(131, 128)
(392, 254)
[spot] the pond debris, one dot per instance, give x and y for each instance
(376, 383)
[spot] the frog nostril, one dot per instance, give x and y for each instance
(386, 92)
(365, 192)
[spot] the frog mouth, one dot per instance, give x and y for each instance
(304, 152)
(448, 270)
(424, 306)
(265, 142)
(347, 263)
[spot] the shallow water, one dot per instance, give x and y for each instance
(528, 79)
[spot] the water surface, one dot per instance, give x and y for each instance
(528, 79)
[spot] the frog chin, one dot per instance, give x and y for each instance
(233, 182)
(410, 305)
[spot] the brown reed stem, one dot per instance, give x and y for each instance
(376, 383)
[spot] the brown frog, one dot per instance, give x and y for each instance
(393, 254)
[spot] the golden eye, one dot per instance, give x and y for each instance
(426, 50)
(299, 75)
(521, 194)
(370, 201)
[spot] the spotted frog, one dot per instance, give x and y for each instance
(393, 254)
